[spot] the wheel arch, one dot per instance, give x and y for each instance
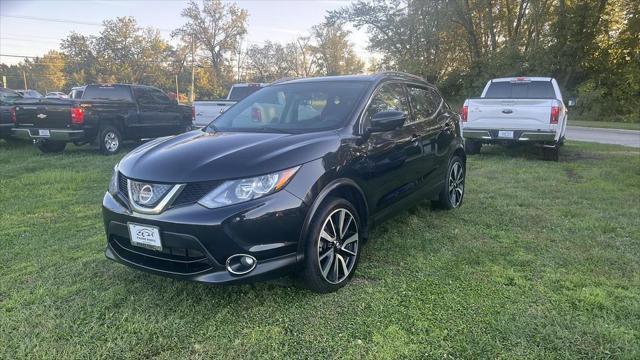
(343, 188)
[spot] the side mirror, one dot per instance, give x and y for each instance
(571, 103)
(387, 121)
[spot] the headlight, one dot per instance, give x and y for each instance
(113, 183)
(237, 191)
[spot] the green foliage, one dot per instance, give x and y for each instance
(590, 46)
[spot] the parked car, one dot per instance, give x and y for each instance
(107, 114)
(516, 110)
(207, 111)
(7, 111)
(76, 92)
(30, 94)
(297, 191)
(56, 95)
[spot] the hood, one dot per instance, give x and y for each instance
(201, 156)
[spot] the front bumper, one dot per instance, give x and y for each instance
(54, 135)
(198, 241)
(491, 135)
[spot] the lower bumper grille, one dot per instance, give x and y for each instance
(182, 261)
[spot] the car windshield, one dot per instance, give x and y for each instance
(294, 108)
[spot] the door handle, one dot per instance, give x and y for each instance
(507, 111)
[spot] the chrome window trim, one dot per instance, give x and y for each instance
(167, 200)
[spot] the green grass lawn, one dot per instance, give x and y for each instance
(542, 261)
(604, 124)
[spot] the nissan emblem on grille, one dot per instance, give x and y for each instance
(146, 194)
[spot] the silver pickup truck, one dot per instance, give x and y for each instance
(207, 111)
(516, 110)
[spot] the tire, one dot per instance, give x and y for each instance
(109, 139)
(452, 192)
(551, 153)
(472, 147)
(326, 258)
(51, 147)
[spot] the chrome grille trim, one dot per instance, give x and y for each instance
(169, 197)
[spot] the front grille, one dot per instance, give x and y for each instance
(122, 186)
(190, 194)
(194, 192)
(174, 260)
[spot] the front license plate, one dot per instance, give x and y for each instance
(44, 133)
(505, 134)
(145, 236)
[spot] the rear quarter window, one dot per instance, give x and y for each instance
(520, 90)
(107, 92)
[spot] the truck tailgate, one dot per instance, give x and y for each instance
(207, 111)
(525, 114)
(45, 113)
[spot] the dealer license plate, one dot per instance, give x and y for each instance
(505, 134)
(145, 236)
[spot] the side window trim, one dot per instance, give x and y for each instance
(363, 114)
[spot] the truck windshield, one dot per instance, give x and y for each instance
(238, 93)
(294, 108)
(520, 90)
(107, 92)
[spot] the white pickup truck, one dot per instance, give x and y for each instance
(516, 110)
(207, 111)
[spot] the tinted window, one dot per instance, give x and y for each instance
(294, 107)
(240, 92)
(8, 97)
(521, 90)
(388, 97)
(425, 102)
(76, 94)
(107, 92)
(158, 96)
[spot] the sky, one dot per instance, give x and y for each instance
(31, 28)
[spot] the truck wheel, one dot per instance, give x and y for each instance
(51, 147)
(472, 147)
(551, 153)
(110, 140)
(452, 192)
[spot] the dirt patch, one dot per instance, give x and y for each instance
(573, 156)
(573, 176)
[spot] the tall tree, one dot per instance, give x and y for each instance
(216, 28)
(334, 53)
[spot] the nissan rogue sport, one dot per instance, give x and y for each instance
(289, 180)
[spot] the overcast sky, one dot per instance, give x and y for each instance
(30, 28)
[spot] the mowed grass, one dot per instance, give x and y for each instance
(604, 124)
(542, 261)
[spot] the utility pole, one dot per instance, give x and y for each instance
(24, 77)
(193, 71)
(239, 54)
(177, 90)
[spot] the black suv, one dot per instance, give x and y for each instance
(290, 179)
(105, 114)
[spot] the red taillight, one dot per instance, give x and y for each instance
(464, 113)
(555, 114)
(77, 116)
(193, 113)
(256, 114)
(12, 112)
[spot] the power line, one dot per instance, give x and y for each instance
(65, 21)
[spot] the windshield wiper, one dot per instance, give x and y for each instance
(274, 129)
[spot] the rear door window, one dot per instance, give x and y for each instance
(425, 101)
(107, 92)
(520, 90)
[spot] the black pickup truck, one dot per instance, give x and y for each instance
(105, 114)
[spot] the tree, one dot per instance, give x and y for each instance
(333, 51)
(49, 70)
(217, 29)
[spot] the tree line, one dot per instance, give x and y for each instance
(592, 47)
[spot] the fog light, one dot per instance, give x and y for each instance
(241, 264)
